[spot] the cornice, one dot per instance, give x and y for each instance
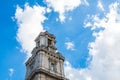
(47, 72)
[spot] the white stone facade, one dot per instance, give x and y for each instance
(45, 63)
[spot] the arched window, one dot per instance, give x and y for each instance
(53, 65)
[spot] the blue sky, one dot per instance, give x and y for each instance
(87, 34)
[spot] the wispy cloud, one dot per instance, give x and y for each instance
(63, 6)
(11, 71)
(70, 46)
(100, 5)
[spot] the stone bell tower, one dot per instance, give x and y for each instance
(46, 63)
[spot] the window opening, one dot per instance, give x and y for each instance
(49, 42)
(53, 67)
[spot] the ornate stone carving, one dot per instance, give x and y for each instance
(45, 63)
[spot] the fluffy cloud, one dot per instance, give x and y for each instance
(70, 45)
(76, 74)
(105, 50)
(62, 6)
(29, 22)
(105, 64)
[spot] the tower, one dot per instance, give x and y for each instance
(46, 63)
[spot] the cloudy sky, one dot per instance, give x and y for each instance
(87, 34)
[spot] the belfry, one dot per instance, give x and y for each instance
(46, 63)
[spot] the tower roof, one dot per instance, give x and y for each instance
(46, 33)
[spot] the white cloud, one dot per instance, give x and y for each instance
(84, 2)
(11, 71)
(105, 50)
(62, 6)
(76, 74)
(70, 45)
(105, 64)
(48, 10)
(29, 22)
(100, 5)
